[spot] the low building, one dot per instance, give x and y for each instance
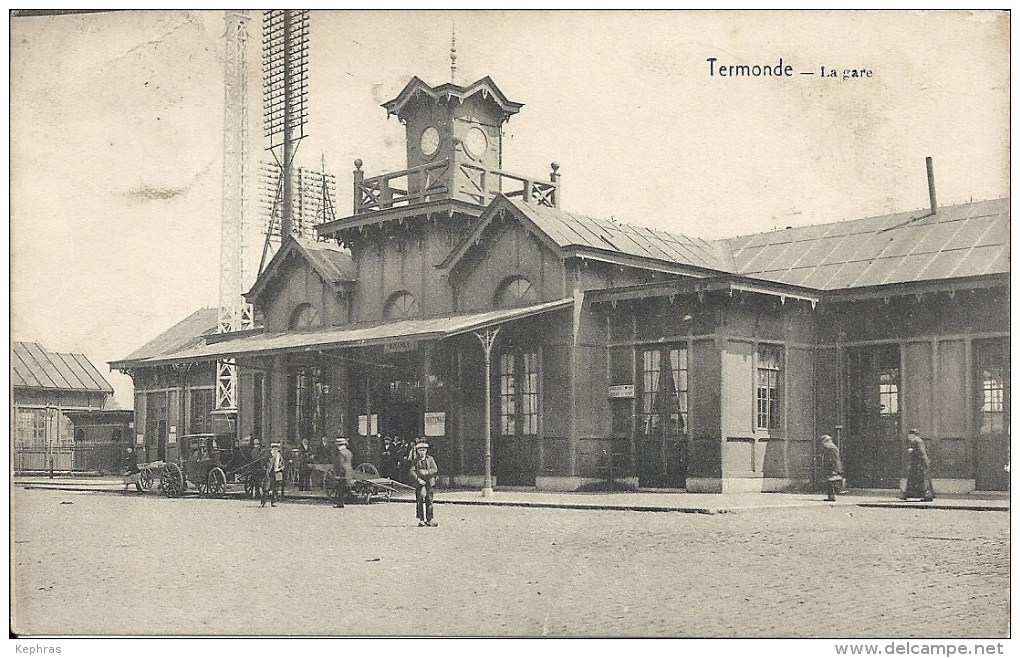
(459, 302)
(45, 386)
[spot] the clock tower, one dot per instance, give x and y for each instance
(455, 133)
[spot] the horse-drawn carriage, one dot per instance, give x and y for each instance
(210, 462)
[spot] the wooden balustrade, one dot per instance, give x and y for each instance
(442, 180)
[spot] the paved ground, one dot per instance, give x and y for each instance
(95, 563)
(656, 500)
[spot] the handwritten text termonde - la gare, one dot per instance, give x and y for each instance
(778, 70)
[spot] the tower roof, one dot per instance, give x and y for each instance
(486, 87)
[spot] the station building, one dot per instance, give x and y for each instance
(608, 350)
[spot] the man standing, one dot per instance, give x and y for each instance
(274, 473)
(343, 470)
(919, 474)
(832, 466)
(132, 472)
(423, 477)
(305, 458)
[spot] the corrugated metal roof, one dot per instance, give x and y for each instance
(33, 366)
(969, 239)
(417, 329)
(571, 230)
(187, 333)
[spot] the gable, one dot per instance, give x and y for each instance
(333, 265)
(508, 250)
(298, 286)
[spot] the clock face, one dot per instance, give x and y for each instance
(476, 142)
(430, 141)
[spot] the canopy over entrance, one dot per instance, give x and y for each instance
(300, 341)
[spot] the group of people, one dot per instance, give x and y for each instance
(918, 472)
(400, 460)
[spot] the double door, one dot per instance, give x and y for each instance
(873, 445)
(514, 453)
(660, 431)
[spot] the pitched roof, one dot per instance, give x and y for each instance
(484, 86)
(332, 263)
(33, 366)
(335, 264)
(570, 230)
(570, 234)
(965, 240)
(185, 334)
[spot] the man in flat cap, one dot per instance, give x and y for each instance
(423, 477)
(275, 466)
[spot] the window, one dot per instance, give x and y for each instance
(664, 391)
(401, 306)
(307, 393)
(888, 393)
(992, 363)
(516, 291)
(305, 316)
(518, 393)
(507, 395)
(200, 405)
(769, 366)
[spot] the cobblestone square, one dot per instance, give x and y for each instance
(99, 563)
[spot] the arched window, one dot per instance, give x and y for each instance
(305, 316)
(116, 435)
(401, 306)
(79, 434)
(516, 291)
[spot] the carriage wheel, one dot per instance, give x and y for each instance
(216, 483)
(368, 469)
(172, 481)
(145, 479)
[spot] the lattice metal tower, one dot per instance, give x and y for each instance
(234, 313)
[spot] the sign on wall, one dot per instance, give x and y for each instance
(400, 346)
(435, 423)
(139, 439)
(621, 391)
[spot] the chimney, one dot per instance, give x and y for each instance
(931, 185)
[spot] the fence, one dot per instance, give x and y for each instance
(97, 458)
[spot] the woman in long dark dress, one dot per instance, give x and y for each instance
(919, 473)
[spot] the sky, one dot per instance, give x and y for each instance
(117, 123)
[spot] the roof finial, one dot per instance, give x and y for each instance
(453, 53)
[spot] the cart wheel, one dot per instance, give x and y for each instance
(368, 469)
(216, 484)
(145, 479)
(253, 486)
(172, 481)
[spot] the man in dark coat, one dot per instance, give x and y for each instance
(306, 455)
(919, 473)
(423, 478)
(832, 467)
(132, 472)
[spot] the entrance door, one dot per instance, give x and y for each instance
(155, 426)
(514, 450)
(661, 430)
(873, 447)
(991, 388)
